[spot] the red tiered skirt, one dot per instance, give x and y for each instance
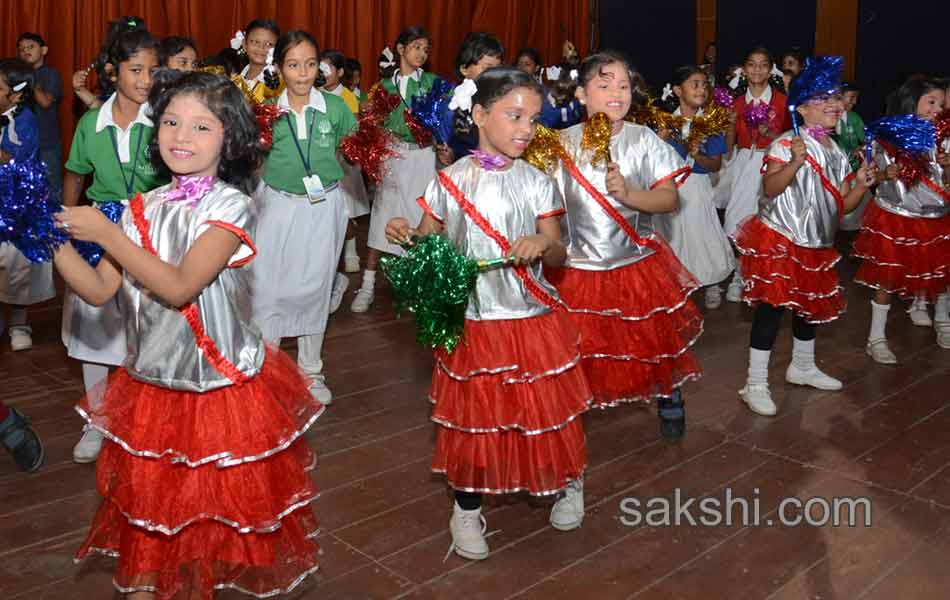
(637, 326)
(778, 272)
(507, 403)
(206, 491)
(902, 255)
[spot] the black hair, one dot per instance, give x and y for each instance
(680, 76)
(849, 86)
(123, 46)
(904, 100)
(171, 46)
(775, 81)
(295, 38)
(405, 37)
(711, 44)
(593, 65)
(563, 88)
(241, 152)
(350, 67)
(228, 59)
(796, 53)
(267, 24)
(33, 37)
(531, 53)
(493, 84)
(476, 46)
(17, 72)
(334, 57)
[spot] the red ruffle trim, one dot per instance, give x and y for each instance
(902, 255)
(780, 273)
(637, 326)
(206, 491)
(507, 401)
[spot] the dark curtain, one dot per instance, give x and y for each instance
(778, 25)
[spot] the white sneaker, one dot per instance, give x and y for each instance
(89, 445)
(943, 334)
(340, 283)
(364, 299)
(351, 264)
(568, 512)
(713, 297)
(734, 292)
(919, 315)
(881, 352)
(319, 390)
(468, 533)
(813, 377)
(759, 400)
(20, 339)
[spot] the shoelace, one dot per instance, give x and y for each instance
(466, 520)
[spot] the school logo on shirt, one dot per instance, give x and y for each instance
(144, 165)
(324, 128)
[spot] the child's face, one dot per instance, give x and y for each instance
(757, 68)
(356, 78)
(186, 60)
(527, 64)
(824, 111)
(7, 97)
(694, 91)
(190, 137)
(134, 80)
(257, 44)
(930, 105)
(608, 92)
(791, 65)
(485, 62)
(509, 125)
(415, 53)
(331, 74)
(850, 99)
(30, 52)
(299, 69)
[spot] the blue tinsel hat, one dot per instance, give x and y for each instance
(907, 132)
(821, 76)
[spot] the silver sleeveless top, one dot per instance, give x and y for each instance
(919, 201)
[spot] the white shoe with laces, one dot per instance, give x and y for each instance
(881, 352)
(734, 292)
(364, 299)
(919, 315)
(319, 390)
(943, 334)
(713, 297)
(468, 533)
(89, 445)
(568, 512)
(20, 339)
(812, 377)
(340, 283)
(759, 400)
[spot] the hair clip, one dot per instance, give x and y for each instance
(326, 69)
(462, 96)
(573, 74)
(237, 42)
(132, 23)
(736, 78)
(389, 60)
(19, 86)
(553, 73)
(667, 91)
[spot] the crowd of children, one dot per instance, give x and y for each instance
(204, 240)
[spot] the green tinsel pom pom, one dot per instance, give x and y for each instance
(433, 281)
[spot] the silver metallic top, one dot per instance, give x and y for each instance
(594, 241)
(511, 201)
(918, 201)
(163, 349)
(806, 212)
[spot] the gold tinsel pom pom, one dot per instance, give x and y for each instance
(596, 137)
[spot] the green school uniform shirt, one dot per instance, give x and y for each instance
(418, 84)
(92, 152)
(328, 120)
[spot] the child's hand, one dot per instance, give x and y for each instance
(616, 184)
(798, 151)
(79, 79)
(398, 231)
(444, 154)
(694, 148)
(529, 248)
(663, 133)
(85, 223)
(866, 176)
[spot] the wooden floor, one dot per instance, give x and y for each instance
(886, 437)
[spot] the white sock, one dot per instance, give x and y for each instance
(738, 275)
(803, 354)
(92, 374)
(942, 308)
(878, 321)
(369, 280)
(349, 248)
(758, 367)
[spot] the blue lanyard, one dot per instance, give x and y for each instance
(304, 159)
(129, 183)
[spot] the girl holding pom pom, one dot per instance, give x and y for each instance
(621, 283)
(408, 173)
(202, 408)
(22, 283)
(257, 41)
(302, 211)
(905, 236)
(506, 400)
(111, 143)
(693, 230)
(787, 249)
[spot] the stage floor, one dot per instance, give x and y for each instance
(885, 437)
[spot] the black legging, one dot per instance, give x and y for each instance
(765, 327)
(468, 500)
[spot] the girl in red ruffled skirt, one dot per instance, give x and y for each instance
(904, 241)
(622, 285)
(204, 472)
(507, 399)
(787, 253)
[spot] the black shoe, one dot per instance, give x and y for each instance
(672, 430)
(28, 453)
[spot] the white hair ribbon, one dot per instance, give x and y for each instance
(462, 96)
